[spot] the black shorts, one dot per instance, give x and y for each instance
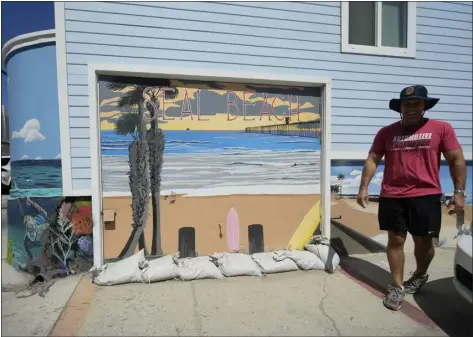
(420, 216)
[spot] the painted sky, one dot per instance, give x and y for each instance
(34, 116)
(25, 17)
(21, 18)
(211, 104)
(4, 90)
(351, 183)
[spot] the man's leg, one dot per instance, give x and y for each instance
(395, 252)
(425, 215)
(391, 217)
(424, 253)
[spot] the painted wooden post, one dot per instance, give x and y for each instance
(255, 239)
(186, 245)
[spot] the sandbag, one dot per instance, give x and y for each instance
(235, 264)
(124, 271)
(196, 268)
(162, 269)
(269, 265)
(304, 259)
(320, 246)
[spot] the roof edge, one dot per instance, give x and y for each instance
(27, 40)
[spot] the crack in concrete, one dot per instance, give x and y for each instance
(322, 309)
(198, 319)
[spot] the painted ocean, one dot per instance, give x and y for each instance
(212, 141)
(36, 178)
(222, 162)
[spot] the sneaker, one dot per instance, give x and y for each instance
(394, 297)
(414, 283)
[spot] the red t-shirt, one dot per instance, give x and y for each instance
(412, 157)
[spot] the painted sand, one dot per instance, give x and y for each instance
(279, 214)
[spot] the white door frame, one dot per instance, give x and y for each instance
(203, 74)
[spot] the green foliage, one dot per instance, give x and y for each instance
(10, 252)
(335, 189)
(341, 177)
(127, 124)
(139, 181)
(156, 143)
(63, 239)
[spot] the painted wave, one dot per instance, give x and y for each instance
(183, 171)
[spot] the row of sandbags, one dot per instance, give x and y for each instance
(318, 255)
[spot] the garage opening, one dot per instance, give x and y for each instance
(207, 166)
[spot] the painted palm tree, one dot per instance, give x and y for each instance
(148, 152)
(156, 142)
(131, 123)
(341, 177)
(335, 189)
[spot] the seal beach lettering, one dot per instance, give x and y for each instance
(267, 109)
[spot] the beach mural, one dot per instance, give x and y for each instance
(345, 183)
(218, 161)
(50, 236)
(35, 156)
(35, 146)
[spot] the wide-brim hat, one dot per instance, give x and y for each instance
(415, 91)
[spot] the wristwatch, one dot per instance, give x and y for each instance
(459, 192)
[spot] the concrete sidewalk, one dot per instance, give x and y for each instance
(438, 301)
(33, 315)
(346, 303)
(295, 303)
(448, 232)
(299, 303)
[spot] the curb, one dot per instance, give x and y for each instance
(378, 289)
(74, 312)
(368, 243)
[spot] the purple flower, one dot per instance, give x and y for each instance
(85, 245)
(63, 267)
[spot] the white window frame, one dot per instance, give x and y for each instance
(409, 52)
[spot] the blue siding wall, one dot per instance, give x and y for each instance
(296, 38)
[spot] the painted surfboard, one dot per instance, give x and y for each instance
(80, 204)
(306, 228)
(233, 231)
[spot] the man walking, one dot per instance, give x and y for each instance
(410, 199)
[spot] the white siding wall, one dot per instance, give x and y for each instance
(298, 38)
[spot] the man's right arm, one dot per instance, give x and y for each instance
(369, 169)
(376, 153)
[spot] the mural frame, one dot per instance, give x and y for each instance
(203, 74)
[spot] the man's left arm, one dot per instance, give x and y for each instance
(457, 165)
(453, 153)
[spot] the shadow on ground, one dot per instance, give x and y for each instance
(366, 272)
(440, 301)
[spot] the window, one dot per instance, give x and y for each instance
(379, 28)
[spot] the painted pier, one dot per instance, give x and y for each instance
(301, 129)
